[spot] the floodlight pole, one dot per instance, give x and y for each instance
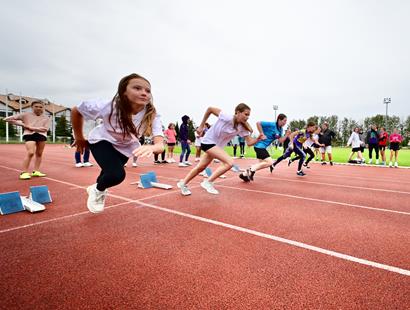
(386, 101)
(275, 108)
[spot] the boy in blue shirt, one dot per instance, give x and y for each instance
(270, 132)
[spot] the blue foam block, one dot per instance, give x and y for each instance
(208, 171)
(10, 203)
(40, 194)
(147, 178)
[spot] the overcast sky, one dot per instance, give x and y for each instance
(308, 57)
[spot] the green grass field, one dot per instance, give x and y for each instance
(340, 155)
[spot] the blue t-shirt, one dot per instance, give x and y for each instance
(272, 132)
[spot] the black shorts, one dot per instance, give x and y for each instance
(36, 137)
(206, 147)
(356, 149)
(261, 153)
(382, 147)
(171, 144)
(394, 146)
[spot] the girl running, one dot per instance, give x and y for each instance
(216, 138)
(297, 138)
(35, 126)
(127, 116)
(312, 142)
(269, 131)
(395, 140)
(171, 137)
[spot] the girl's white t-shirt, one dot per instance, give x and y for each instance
(223, 131)
(111, 132)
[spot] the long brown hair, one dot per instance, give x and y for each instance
(122, 107)
(240, 108)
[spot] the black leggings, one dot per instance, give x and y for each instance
(111, 162)
(374, 147)
(156, 156)
(242, 147)
(300, 154)
(306, 150)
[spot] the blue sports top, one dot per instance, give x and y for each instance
(272, 132)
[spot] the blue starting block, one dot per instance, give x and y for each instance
(149, 180)
(40, 194)
(208, 172)
(10, 203)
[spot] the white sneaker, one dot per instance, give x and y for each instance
(78, 165)
(377, 161)
(396, 165)
(370, 161)
(184, 189)
(173, 160)
(187, 163)
(96, 199)
(134, 165)
(87, 164)
(182, 165)
(209, 187)
(390, 164)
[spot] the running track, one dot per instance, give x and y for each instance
(338, 238)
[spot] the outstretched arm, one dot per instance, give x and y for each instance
(251, 141)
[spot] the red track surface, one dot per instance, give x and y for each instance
(157, 249)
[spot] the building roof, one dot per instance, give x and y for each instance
(14, 103)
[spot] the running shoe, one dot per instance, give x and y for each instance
(96, 199)
(38, 174)
(184, 189)
(209, 186)
(25, 176)
(300, 173)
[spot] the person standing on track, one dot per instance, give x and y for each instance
(383, 138)
(269, 131)
(170, 135)
(216, 138)
(35, 125)
(129, 115)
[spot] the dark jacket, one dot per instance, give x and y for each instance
(372, 137)
(326, 137)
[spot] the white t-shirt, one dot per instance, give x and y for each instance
(111, 132)
(223, 131)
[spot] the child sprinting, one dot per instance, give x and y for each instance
(127, 116)
(226, 127)
(35, 125)
(269, 131)
(395, 140)
(171, 137)
(297, 138)
(311, 142)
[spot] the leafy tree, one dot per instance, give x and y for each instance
(314, 119)
(191, 130)
(297, 124)
(62, 128)
(12, 129)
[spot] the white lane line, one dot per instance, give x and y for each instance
(283, 240)
(279, 178)
(315, 199)
(59, 218)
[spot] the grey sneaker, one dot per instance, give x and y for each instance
(96, 199)
(184, 189)
(209, 187)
